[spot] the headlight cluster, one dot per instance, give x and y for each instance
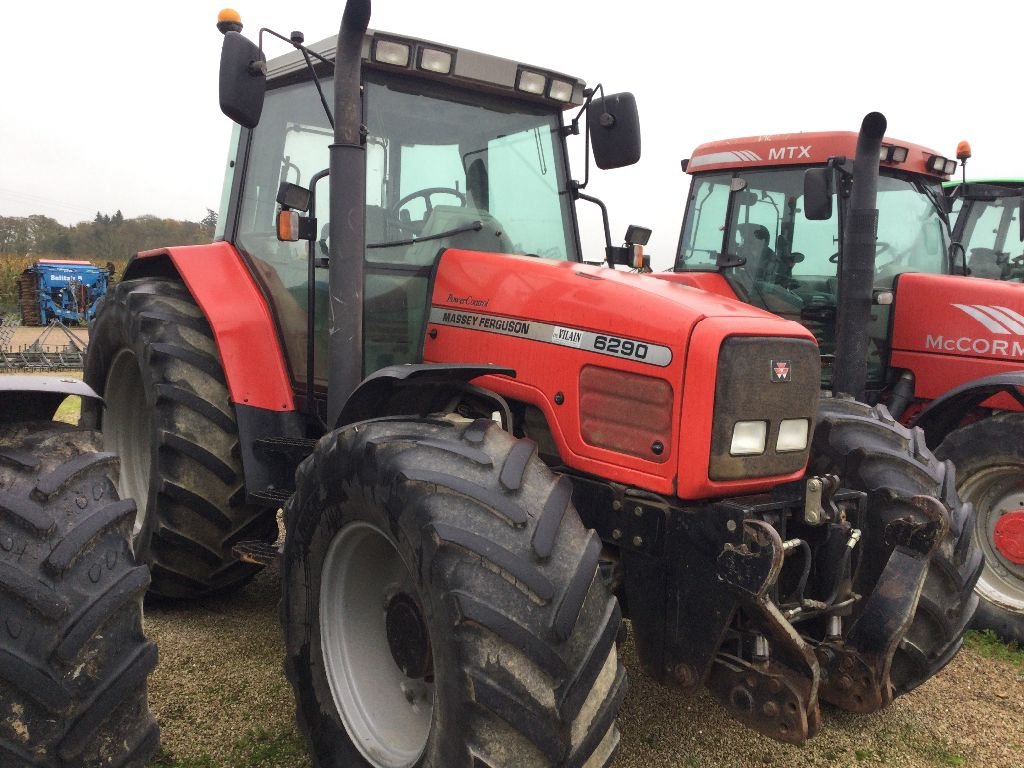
(750, 438)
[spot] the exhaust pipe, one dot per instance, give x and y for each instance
(347, 211)
(857, 265)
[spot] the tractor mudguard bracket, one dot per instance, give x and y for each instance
(856, 670)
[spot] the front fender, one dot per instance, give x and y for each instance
(945, 413)
(421, 389)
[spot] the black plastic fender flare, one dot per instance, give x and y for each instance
(419, 388)
(31, 398)
(944, 414)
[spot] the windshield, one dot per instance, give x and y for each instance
(751, 226)
(445, 168)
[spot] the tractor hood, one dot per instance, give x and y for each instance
(618, 363)
(571, 302)
(949, 329)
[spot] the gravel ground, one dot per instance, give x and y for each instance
(222, 701)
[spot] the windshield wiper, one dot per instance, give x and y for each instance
(476, 226)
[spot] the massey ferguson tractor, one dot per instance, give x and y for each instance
(771, 221)
(488, 452)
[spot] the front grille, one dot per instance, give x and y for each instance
(626, 412)
(762, 379)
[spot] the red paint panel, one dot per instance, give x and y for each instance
(242, 324)
(813, 148)
(535, 292)
(712, 282)
(949, 330)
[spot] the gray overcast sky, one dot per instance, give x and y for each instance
(112, 104)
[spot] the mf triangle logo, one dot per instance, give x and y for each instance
(782, 370)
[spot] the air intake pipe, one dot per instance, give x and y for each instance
(857, 265)
(347, 211)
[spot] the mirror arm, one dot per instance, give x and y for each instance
(604, 214)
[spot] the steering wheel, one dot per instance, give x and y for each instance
(880, 247)
(426, 193)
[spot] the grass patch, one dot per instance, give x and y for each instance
(70, 411)
(260, 748)
(987, 643)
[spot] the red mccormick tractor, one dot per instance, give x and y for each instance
(73, 658)
(770, 220)
(488, 451)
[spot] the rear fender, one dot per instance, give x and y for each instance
(944, 414)
(32, 398)
(238, 312)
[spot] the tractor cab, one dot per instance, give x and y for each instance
(462, 150)
(988, 225)
(768, 214)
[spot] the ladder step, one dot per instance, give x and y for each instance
(296, 448)
(258, 552)
(275, 497)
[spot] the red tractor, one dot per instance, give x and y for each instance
(769, 221)
(488, 452)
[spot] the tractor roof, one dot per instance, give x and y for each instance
(806, 149)
(459, 66)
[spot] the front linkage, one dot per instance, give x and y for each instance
(756, 597)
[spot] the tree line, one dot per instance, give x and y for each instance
(105, 238)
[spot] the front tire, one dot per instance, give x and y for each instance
(74, 662)
(168, 415)
(442, 605)
(872, 452)
(989, 458)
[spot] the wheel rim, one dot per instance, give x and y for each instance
(365, 587)
(127, 430)
(997, 493)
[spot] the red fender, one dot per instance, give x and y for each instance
(243, 327)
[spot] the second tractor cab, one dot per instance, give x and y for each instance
(987, 223)
(769, 220)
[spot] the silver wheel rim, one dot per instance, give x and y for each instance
(387, 715)
(127, 431)
(996, 491)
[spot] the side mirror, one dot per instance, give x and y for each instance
(614, 125)
(818, 194)
(243, 80)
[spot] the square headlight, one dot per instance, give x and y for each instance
(792, 435)
(748, 438)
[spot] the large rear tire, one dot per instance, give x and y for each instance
(73, 658)
(989, 458)
(872, 452)
(168, 415)
(442, 605)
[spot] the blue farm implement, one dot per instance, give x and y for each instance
(68, 291)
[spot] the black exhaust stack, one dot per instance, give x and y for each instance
(347, 210)
(857, 265)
